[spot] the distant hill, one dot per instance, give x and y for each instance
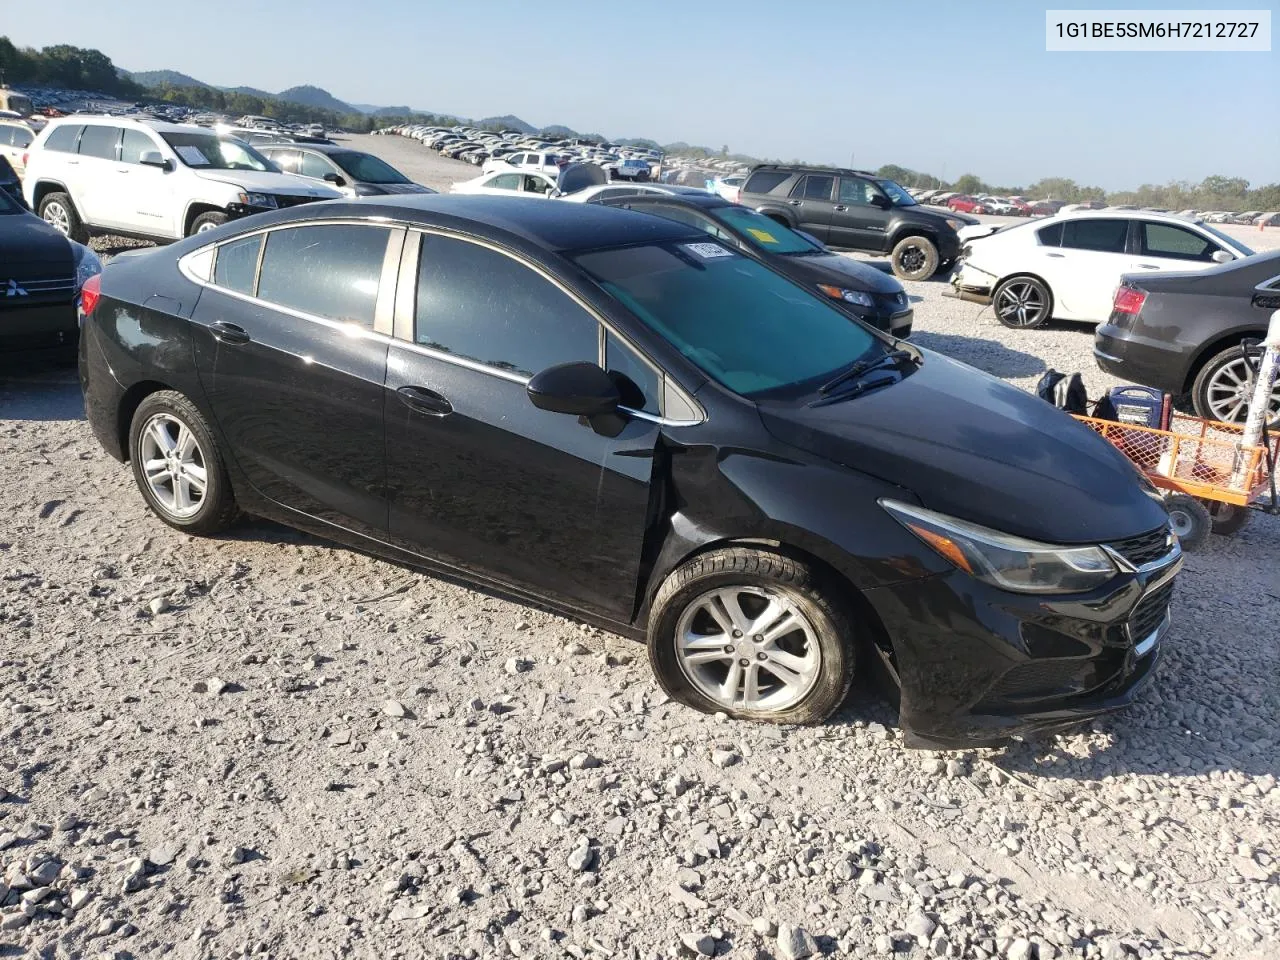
(156, 78)
(310, 96)
(248, 91)
(507, 123)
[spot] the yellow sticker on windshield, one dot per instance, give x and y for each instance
(762, 235)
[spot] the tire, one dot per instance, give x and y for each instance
(1191, 521)
(57, 210)
(1223, 387)
(207, 221)
(1227, 518)
(1022, 303)
(819, 650)
(167, 414)
(914, 258)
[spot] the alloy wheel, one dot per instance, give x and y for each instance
(1021, 304)
(55, 214)
(206, 227)
(748, 648)
(174, 465)
(913, 259)
(1229, 391)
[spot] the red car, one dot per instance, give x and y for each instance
(1020, 207)
(964, 204)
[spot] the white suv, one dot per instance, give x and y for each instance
(161, 181)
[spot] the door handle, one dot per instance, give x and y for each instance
(1056, 256)
(795, 203)
(228, 333)
(1148, 266)
(425, 401)
(841, 208)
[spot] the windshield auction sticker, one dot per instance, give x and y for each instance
(707, 251)
(1168, 31)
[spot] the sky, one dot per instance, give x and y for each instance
(934, 85)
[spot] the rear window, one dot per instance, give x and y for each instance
(764, 181)
(1104, 236)
(1050, 236)
(63, 138)
(814, 188)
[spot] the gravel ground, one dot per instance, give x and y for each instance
(269, 746)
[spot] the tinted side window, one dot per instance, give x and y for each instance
(330, 270)
(1167, 240)
(481, 305)
(1105, 236)
(637, 382)
(134, 144)
(506, 181)
(237, 264)
(814, 188)
(856, 192)
(1050, 236)
(764, 180)
(98, 141)
(63, 138)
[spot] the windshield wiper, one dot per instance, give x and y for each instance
(859, 388)
(858, 367)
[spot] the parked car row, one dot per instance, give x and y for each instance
(676, 436)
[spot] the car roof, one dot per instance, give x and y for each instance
(695, 198)
(544, 223)
(159, 126)
(317, 147)
(1112, 214)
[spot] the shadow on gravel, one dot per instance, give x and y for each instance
(40, 385)
(990, 356)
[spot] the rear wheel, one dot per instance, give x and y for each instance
(754, 634)
(1224, 387)
(914, 258)
(1022, 303)
(57, 210)
(178, 467)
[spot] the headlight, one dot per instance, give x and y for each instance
(87, 264)
(258, 200)
(1005, 561)
(848, 296)
(956, 224)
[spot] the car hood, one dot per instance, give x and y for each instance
(257, 182)
(841, 271)
(27, 241)
(972, 446)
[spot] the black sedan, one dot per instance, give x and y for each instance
(354, 172)
(624, 418)
(1181, 332)
(859, 288)
(41, 276)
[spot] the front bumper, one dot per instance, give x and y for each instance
(41, 325)
(971, 283)
(976, 665)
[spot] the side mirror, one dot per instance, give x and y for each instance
(152, 158)
(1222, 256)
(335, 179)
(580, 388)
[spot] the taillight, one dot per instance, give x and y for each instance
(89, 294)
(1129, 300)
(25, 154)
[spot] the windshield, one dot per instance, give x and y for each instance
(763, 233)
(21, 104)
(897, 196)
(368, 168)
(1232, 243)
(745, 326)
(203, 150)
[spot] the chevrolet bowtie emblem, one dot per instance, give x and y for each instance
(13, 290)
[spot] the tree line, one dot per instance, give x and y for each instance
(78, 68)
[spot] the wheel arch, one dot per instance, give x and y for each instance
(43, 188)
(778, 215)
(909, 230)
(1212, 348)
(129, 403)
(194, 209)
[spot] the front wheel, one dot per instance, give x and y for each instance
(753, 634)
(207, 221)
(914, 258)
(178, 467)
(1022, 303)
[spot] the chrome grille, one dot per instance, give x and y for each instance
(1150, 612)
(16, 291)
(1144, 548)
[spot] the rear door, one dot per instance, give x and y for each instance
(291, 347)
(98, 156)
(481, 479)
(1084, 271)
(812, 199)
(855, 220)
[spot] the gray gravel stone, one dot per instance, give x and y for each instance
(795, 943)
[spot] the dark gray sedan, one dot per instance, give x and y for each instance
(354, 172)
(1181, 332)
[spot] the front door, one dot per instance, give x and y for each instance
(293, 366)
(811, 200)
(856, 221)
(142, 201)
(480, 478)
(1169, 246)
